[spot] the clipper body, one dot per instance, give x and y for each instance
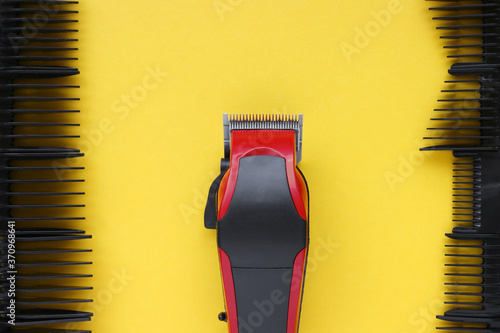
(259, 206)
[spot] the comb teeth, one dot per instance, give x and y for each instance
(232, 122)
(38, 185)
(470, 120)
(468, 124)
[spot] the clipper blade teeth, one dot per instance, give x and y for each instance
(265, 121)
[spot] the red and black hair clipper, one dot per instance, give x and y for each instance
(259, 206)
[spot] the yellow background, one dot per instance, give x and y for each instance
(382, 205)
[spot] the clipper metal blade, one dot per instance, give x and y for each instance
(263, 122)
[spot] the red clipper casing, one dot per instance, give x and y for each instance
(259, 206)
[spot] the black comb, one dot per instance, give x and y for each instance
(39, 171)
(468, 125)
